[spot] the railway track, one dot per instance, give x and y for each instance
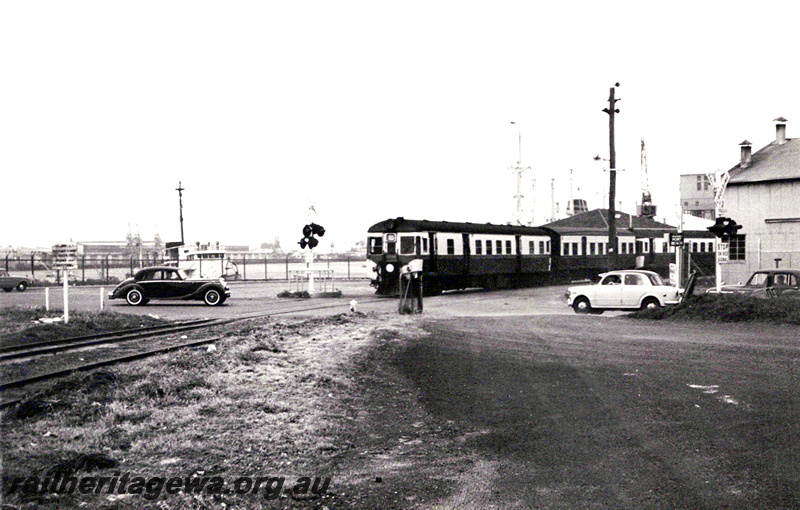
(55, 347)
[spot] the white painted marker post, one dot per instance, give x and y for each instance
(102, 296)
(66, 295)
(47, 299)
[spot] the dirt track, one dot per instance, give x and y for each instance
(586, 412)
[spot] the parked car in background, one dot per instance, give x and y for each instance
(623, 290)
(169, 283)
(9, 283)
(766, 284)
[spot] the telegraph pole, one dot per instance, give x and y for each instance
(180, 189)
(612, 185)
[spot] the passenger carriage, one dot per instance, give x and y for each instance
(458, 255)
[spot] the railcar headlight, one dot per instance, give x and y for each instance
(389, 268)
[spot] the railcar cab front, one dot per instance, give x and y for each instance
(391, 245)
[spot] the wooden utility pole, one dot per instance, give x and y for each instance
(612, 185)
(180, 189)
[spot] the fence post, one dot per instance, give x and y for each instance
(33, 267)
(131, 264)
(348, 267)
(83, 268)
(265, 268)
(108, 272)
(6, 262)
(244, 269)
(287, 267)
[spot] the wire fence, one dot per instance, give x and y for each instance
(115, 268)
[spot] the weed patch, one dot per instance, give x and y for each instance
(728, 308)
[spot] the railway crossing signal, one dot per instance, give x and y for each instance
(310, 233)
(724, 227)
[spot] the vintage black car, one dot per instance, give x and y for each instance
(765, 284)
(169, 283)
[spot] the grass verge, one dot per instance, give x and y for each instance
(21, 325)
(728, 308)
(270, 399)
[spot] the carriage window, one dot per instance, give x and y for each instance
(451, 247)
(541, 247)
(508, 248)
(531, 246)
(488, 247)
(478, 247)
(407, 246)
(566, 248)
(592, 248)
(375, 245)
(499, 246)
(424, 245)
(575, 249)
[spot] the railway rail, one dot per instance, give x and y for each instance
(53, 347)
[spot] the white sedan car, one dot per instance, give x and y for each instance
(623, 290)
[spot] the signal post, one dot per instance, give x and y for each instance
(64, 259)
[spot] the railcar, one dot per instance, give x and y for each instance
(459, 255)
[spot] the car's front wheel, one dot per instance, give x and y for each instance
(212, 297)
(581, 305)
(650, 303)
(22, 286)
(134, 297)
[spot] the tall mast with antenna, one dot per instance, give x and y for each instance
(180, 189)
(519, 169)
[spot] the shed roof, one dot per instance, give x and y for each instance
(774, 162)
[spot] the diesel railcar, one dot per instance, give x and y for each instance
(458, 255)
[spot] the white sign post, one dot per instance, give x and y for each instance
(719, 183)
(65, 258)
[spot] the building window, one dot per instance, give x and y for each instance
(699, 186)
(488, 247)
(508, 248)
(531, 246)
(566, 248)
(451, 247)
(694, 247)
(541, 247)
(575, 249)
(736, 247)
(592, 248)
(478, 247)
(499, 246)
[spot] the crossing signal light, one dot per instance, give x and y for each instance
(732, 228)
(309, 232)
(724, 227)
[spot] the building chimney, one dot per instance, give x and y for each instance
(780, 130)
(747, 157)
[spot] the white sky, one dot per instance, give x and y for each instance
(369, 109)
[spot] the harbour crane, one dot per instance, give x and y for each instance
(647, 208)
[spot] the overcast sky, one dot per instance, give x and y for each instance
(368, 110)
